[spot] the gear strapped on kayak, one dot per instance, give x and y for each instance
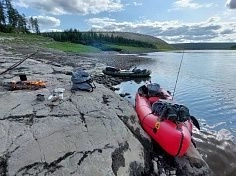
(174, 112)
(165, 121)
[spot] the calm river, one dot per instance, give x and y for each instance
(207, 86)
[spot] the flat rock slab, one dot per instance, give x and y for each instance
(79, 135)
(85, 133)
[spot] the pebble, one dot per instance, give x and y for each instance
(155, 167)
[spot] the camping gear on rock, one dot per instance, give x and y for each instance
(23, 77)
(166, 122)
(135, 73)
(57, 94)
(22, 85)
(82, 80)
(40, 97)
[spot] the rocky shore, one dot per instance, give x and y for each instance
(85, 133)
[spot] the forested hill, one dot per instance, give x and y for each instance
(110, 41)
(205, 46)
(160, 44)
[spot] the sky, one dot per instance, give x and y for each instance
(174, 21)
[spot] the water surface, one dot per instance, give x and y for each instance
(207, 86)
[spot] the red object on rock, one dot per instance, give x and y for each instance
(174, 138)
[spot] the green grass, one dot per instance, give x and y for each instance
(45, 42)
(164, 47)
(131, 49)
(25, 37)
(72, 47)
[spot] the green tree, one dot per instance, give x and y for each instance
(2, 15)
(10, 19)
(22, 24)
(36, 26)
(2, 18)
(33, 25)
(233, 47)
(11, 13)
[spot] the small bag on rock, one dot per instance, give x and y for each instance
(82, 80)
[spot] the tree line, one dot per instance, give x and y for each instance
(96, 39)
(12, 21)
(233, 47)
(205, 46)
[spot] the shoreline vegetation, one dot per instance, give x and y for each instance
(16, 25)
(99, 47)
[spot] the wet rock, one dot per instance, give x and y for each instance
(124, 94)
(192, 163)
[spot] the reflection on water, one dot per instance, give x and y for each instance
(207, 87)
(137, 80)
(219, 153)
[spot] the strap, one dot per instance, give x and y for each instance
(181, 143)
(92, 85)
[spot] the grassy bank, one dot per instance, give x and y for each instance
(131, 49)
(71, 47)
(44, 42)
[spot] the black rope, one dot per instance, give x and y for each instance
(181, 143)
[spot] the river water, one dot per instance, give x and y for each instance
(207, 86)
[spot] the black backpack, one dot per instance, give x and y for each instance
(174, 112)
(153, 89)
(82, 80)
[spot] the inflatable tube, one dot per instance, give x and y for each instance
(174, 138)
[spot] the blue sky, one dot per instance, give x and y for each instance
(173, 21)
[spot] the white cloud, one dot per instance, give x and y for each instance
(213, 29)
(137, 3)
(231, 4)
(47, 23)
(20, 4)
(213, 19)
(60, 7)
(189, 4)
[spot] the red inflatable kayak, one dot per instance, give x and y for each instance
(173, 137)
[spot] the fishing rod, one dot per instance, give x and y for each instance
(194, 120)
(178, 74)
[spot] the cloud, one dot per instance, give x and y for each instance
(189, 4)
(137, 3)
(47, 23)
(60, 7)
(213, 29)
(231, 4)
(213, 19)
